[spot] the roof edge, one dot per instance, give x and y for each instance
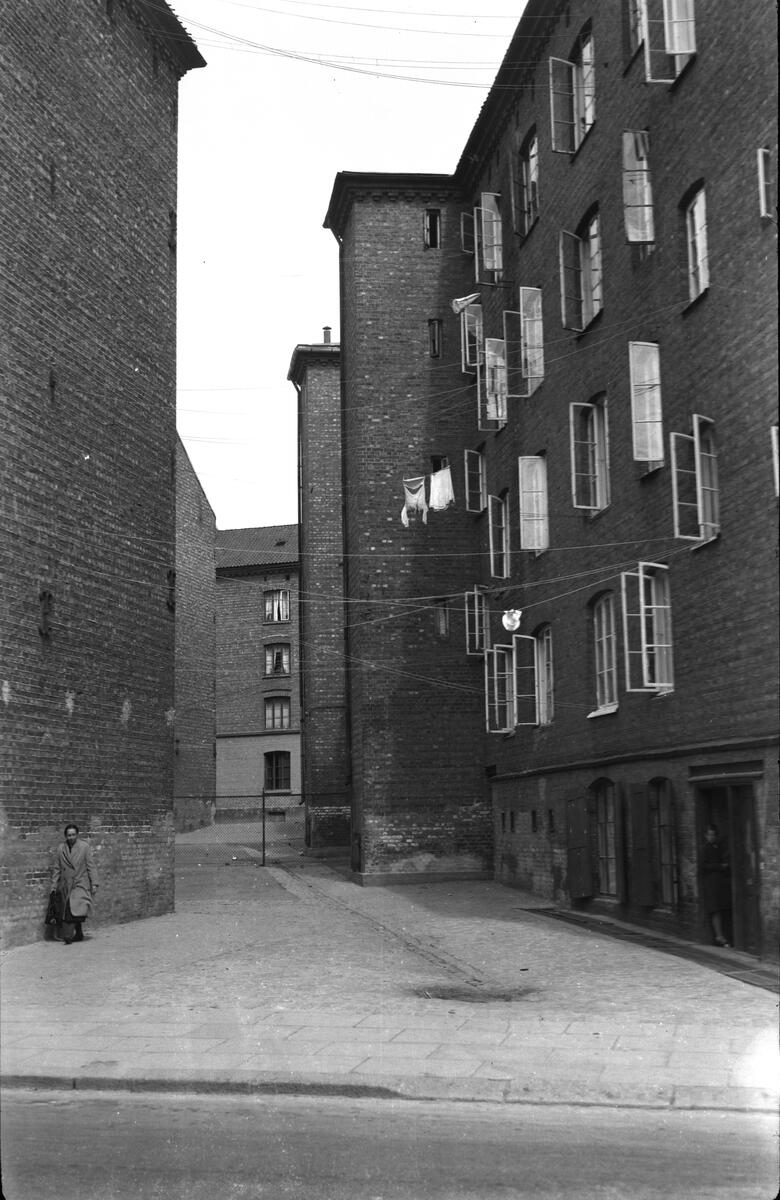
(348, 184)
(164, 24)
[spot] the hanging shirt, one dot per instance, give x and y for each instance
(442, 494)
(414, 499)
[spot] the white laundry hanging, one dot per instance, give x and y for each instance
(414, 499)
(441, 495)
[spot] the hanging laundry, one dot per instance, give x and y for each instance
(441, 495)
(414, 499)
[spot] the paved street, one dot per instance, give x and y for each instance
(292, 978)
(115, 1146)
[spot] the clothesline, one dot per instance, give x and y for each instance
(440, 495)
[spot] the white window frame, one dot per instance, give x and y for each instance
(495, 380)
(694, 460)
(582, 280)
(525, 680)
(696, 243)
(634, 25)
(545, 675)
(647, 628)
(644, 365)
(669, 35)
(441, 619)
(765, 182)
(573, 96)
(432, 229)
(637, 188)
(775, 458)
(285, 712)
(276, 606)
(534, 507)
(498, 533)
(526, 189)
(475, 480)
(590, 488)
(524, 341)
(499, 693)
(472, 339)
(488, 239)
(271, 652)
(475, 606)
(605, 646)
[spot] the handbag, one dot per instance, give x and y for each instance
(54, 910)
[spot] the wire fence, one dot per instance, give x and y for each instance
(273, 824)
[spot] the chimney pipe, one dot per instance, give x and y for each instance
(326, 334)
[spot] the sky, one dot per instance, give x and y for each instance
(291, 95)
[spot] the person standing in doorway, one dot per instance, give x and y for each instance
(74, 880)
(715, 882)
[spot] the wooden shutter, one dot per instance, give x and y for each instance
(579, 854)
(642, 889)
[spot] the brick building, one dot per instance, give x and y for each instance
(88, 194)
(579, 322)
(315, 371)
(195, 748)
(257, 679)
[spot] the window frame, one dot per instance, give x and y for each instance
(677, 45)
(441, 619)
(282, 604)
(534, 503)
(274, 759)
(647, 429)
(499, 700)
(638, 215)
(434, 337)
(765, 182)
(581, 264)
(597, 450)
(472, 339)
(432, 229)
(526, 184)
(524, 342)
(285, 712)
(663, 834)
(525, 695)
(498, 530)
(572, 86)
(488, 239)
(476, 620)
(476, 494)
(545, 675)
(703, 455)
(605, 802)
(605, 649)
(647, 628)
(696, 244)
(272, 649)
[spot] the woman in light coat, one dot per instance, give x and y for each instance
(75, 881)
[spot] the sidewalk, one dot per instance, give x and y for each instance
(290, 978)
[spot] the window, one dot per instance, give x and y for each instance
(637, 188)
(581, 277)
(524, 342)
(647, 628)
(277, 771)
(432, 229)
(498, 522)
(775, 459)
(277, 659)
(603, 793)
(664, 841)
(499, 703)
(488, 240)
(472, 342)
(544, 675)
(495, 394)
(276, 606)
(669, 34)
(696, 241)
(525, 682)
(695, 482)
(606, 654)
(632, 10)
(476, 622)
(526, 191)
(434, 339)
(766, 201)
(277, 712)
(476, 487)
(644, 360)
(573, 95)
(441, 619)
(534, 524)
(589, 446)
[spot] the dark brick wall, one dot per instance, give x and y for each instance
(416, 706)
(87, 313)
(325, 767)
(195, 725)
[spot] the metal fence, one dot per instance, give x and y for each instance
(272, 823)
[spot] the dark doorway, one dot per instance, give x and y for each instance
(731, 807)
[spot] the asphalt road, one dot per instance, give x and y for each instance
(118, 1146)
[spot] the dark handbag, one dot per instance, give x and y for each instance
(54, 910)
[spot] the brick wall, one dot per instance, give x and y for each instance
(87, 314)
(195, 737)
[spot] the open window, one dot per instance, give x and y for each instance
(589, 449)
(647, 628)
(472, 344)
(476, 621)
(476, 487)
(525, 193)
(524, 341)
(534, 520)
(644, 360)
(498, 529)
(499, 684)
(573, 95)
(605, 654)
(488, 239)
(544, 675)
(695, 212)
(669, 35)
(581, 274)
(766, 183)
(695, 495)
(637, 188)
(525, 680)
(432, 229)
(495, 380)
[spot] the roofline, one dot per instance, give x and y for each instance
(164, 24)
(304, 355)
(269, 568)
(348, 184)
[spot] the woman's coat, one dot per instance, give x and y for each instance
(75, 876)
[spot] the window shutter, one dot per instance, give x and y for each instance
(474, 473)
(499, 706)
(620, 846)
(526, 682)
(633, 631)
(582, 449)
(534, 532)
(643, 891)
(679, 27)
(637, 189)
(644, 360)
(562, 106)
(570, 258)
(532, 338)
(685, 503)
(706, 476)
(579, 854)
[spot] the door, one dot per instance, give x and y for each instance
(731, 808)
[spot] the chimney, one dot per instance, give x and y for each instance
(326, 334)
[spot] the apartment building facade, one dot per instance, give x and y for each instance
(257, 669)
(590, 344)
